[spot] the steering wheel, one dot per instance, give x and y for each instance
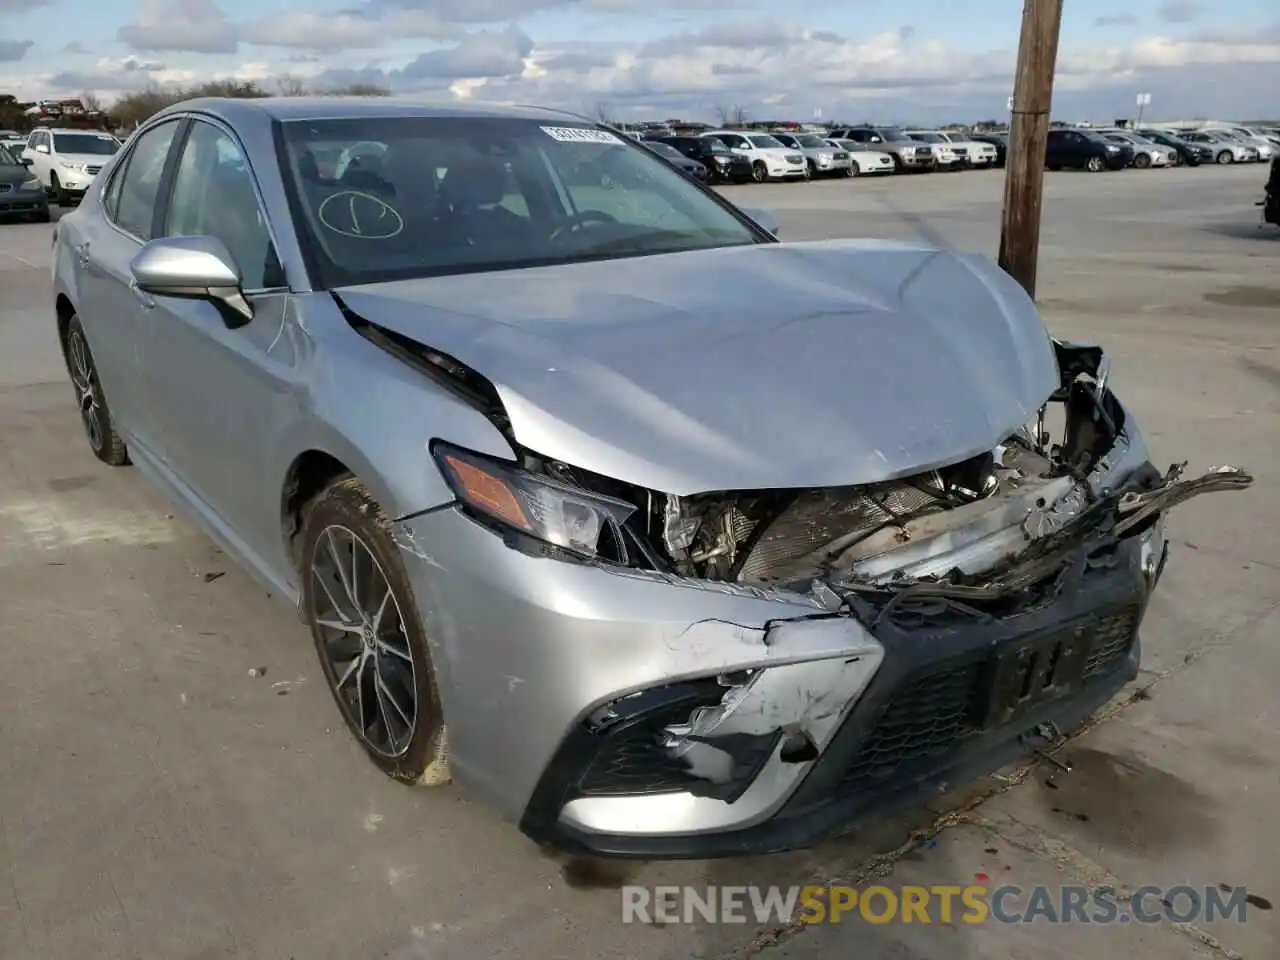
(577, 221)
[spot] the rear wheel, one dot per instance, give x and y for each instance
(95, 415)
(759, 172)
(369, 636)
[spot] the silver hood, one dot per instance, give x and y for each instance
(764, 366)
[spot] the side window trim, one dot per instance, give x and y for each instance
(122, 170)
(171, 172)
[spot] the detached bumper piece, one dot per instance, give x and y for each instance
(956, 697)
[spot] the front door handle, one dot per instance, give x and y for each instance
(142, 296)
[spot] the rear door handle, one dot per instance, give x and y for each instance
(142, 296)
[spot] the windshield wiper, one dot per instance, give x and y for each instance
(653, 239)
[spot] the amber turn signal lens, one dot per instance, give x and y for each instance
(484, 490)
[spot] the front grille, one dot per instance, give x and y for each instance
(960, 151)
(794, 158)
(929, 716)
(842, 156)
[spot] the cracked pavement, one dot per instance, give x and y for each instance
(175, 781)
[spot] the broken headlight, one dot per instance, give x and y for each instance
(501, 492)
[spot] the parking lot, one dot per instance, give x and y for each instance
(175, 781)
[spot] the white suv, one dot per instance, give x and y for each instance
(770, 160)
(66, 161)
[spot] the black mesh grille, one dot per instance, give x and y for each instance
(925, 718)
(632, 760)
(931, 714)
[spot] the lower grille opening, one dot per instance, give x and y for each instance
(931, 715)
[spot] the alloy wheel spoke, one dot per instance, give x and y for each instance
(339, 625)
(318, 578)
(384, 647)
(352, 667)
(338, 567)
(386, 694)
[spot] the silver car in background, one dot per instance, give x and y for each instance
(1226, 149)
(662, 536)
(824, 160)
(1146, 153)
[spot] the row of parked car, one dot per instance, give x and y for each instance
(738, 156)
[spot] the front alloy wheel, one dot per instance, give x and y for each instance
(1225, 157)
(759, 172)
(95, 415)
(368, 635)
(1095, 165)
(853, 169)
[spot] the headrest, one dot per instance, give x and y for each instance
(477, 180)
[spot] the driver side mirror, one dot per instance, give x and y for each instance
(25, 161)
(200, 268)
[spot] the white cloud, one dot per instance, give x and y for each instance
(197, 26)
(768, 68)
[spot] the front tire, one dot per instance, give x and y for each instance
(1095, 165)
(854, 169)
(759, 172)
(369, 637)
(95, 415)
(60, 196)
(1142, 161)
(1225, 157)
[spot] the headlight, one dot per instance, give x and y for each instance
(32, 184)
(500, 492)
(1112, 148)
(825, 158)
(71, 165)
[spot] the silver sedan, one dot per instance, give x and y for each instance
(663, 536)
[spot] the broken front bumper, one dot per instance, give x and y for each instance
(588, 703)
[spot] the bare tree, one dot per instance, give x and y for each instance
(738, 116)
(90, 100)
(290, 87)
(722, 114)
(358, 90)
(604, 113)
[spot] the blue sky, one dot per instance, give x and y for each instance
(926, 59)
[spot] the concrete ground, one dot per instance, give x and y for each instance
(175, 782)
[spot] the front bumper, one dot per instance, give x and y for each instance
(557, 681)
(21, 202)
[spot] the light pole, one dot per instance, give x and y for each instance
(1144, 100)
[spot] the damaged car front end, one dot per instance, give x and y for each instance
(748, 671)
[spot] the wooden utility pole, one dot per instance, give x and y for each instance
(1028, 134)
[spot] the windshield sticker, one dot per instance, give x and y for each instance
(360, 215)
(580, 135)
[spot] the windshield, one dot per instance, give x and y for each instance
(890, 133)
(463, 195)
(811, 140)
(716, 145)
(766, 142)
(9, 156)
(98, 144)
(929, 137)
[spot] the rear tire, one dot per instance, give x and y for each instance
(346, 549)
(95, 415)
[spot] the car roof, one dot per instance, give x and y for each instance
(233, 110)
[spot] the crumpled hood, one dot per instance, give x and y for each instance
(763, 366)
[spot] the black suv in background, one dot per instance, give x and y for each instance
(723, 165)
(1192, 154)
(1085, 150)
